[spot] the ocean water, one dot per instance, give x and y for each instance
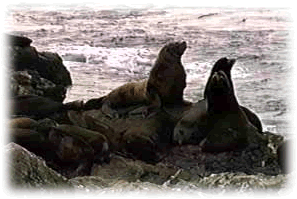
(105, 47)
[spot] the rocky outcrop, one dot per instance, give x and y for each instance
(30, 171)
(37, 73)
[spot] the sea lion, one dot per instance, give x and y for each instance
(188, 125)
(23, 123)
(224, 123)
(164, 86)
(226, 65)
(38, 107)
(76, 149)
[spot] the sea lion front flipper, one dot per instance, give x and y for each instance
(156, 102)
(107, 110)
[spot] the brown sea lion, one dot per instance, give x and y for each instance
(22, 122)
(38, 107)
(165, 85)
(224, 123)
(76, 149)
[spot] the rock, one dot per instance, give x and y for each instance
(33, 72)
(29, 82)
(30, 171)
(133, 170)
(284, 154)
(19, 41)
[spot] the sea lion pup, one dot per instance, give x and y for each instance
(165, 85)
(226, 65)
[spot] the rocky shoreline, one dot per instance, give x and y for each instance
(72, 147)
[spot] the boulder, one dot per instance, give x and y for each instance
(38, 73)
(30, 171)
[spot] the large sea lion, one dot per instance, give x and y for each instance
(186, 131)
(165, 85)
(226, 65)
(221, 120)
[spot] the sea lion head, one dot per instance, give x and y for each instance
(219, 84)
(173, 50)
(223, 64)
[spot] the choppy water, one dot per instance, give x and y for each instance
(120, 45)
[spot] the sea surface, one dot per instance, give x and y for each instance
(105, 47)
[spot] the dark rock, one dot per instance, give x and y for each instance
(20, 41)
(52, 68)
(283, 154)
(30, 171)
(29, 82)
(38, 73)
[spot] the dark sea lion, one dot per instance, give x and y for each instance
(38, 107)
(187, 127)
(224, 123)
(76, 149)
(229, 127)
(165, 85)
(146, 139)
(133, 135)
(226, 65)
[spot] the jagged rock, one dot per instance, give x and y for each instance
(38, 73)
(133, 170)
(30, 171)
(29, 82)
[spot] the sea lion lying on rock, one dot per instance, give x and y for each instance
(37, 107)
(192, 128)
(224, 123)
(77, 148)
(165, 85)
(133, 136)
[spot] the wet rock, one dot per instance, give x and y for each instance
(133, 170)
(30, 171)
(29, 82)
(283, 154)
(41, 73)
